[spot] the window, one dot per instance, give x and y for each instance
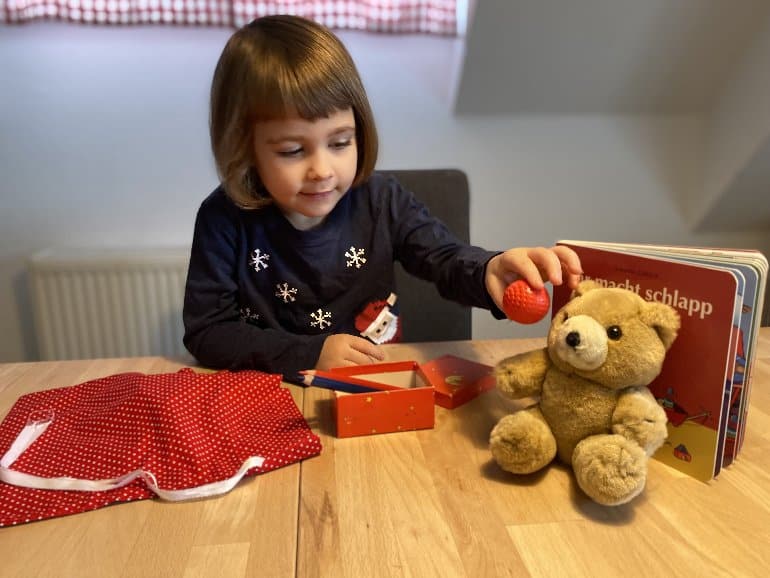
(396, 16)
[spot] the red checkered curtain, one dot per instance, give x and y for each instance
(394, 16)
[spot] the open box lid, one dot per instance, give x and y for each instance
(457, 380)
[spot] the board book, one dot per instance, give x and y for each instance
(705, 383)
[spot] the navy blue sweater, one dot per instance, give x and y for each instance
(261, 294)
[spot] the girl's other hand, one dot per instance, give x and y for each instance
(536, 265)
(341, 350)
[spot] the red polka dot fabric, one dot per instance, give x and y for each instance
(184, 430)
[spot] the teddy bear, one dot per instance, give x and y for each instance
(594, 410)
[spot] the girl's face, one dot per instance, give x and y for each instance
(307, 166)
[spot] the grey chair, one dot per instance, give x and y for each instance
(426, 315)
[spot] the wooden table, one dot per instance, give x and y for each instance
(421, 504)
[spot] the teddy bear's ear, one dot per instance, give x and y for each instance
(664, 319)
(583, 288)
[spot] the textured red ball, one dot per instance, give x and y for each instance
(523, 304)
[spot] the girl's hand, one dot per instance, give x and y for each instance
(340, 350)
(536, 265)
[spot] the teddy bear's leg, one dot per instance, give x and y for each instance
(522, 442)
(610, 468)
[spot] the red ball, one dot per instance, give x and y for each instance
(523, 304)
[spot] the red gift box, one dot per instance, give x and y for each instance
(457, 380)
(403, 393)
(402, 400)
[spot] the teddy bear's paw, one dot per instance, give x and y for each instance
(638, 417)
(522, 375)
(647, 433)
(610, 469)
(522, 443)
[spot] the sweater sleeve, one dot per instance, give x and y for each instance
(427, 249)
(215, 334)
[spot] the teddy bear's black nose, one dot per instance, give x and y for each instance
(573, 339)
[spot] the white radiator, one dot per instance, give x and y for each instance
(90, 303)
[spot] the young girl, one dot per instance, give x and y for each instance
(292, 255)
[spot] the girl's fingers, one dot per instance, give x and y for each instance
(364, 352)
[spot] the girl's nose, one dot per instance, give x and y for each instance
(320, 169)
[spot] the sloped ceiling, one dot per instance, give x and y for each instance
(620, 57)
(745, 203)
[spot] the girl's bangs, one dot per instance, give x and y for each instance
(285, 96)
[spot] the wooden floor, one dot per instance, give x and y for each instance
(417, 504)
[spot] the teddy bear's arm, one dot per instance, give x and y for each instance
(638, 417)
(522, 375)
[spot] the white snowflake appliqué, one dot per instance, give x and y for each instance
(285, 292)
(321, 319)
(259, 260)
(247, 315)
(356, 257)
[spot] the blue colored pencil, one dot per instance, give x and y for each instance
(313, 378)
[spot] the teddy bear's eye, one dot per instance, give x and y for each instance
(564, 316)
(614, 332)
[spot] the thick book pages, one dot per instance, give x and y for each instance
(705, 381)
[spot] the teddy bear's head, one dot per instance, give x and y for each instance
(611, 336)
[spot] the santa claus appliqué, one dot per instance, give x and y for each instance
(378, 323)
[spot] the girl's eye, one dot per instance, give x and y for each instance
(342, 144)
(290, 153)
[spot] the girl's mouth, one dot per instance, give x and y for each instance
(317, 194)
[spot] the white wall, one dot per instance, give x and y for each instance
(605, 56)
(738, 137)
(103, 141)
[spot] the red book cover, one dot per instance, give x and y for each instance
(457, 380)
(750, 268)
(694, 384)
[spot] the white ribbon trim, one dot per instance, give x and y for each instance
(34, 430)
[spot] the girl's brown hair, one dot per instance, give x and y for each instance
(270, 68)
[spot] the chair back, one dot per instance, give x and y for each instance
(427, 316)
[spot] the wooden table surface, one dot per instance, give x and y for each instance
(419, 504)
